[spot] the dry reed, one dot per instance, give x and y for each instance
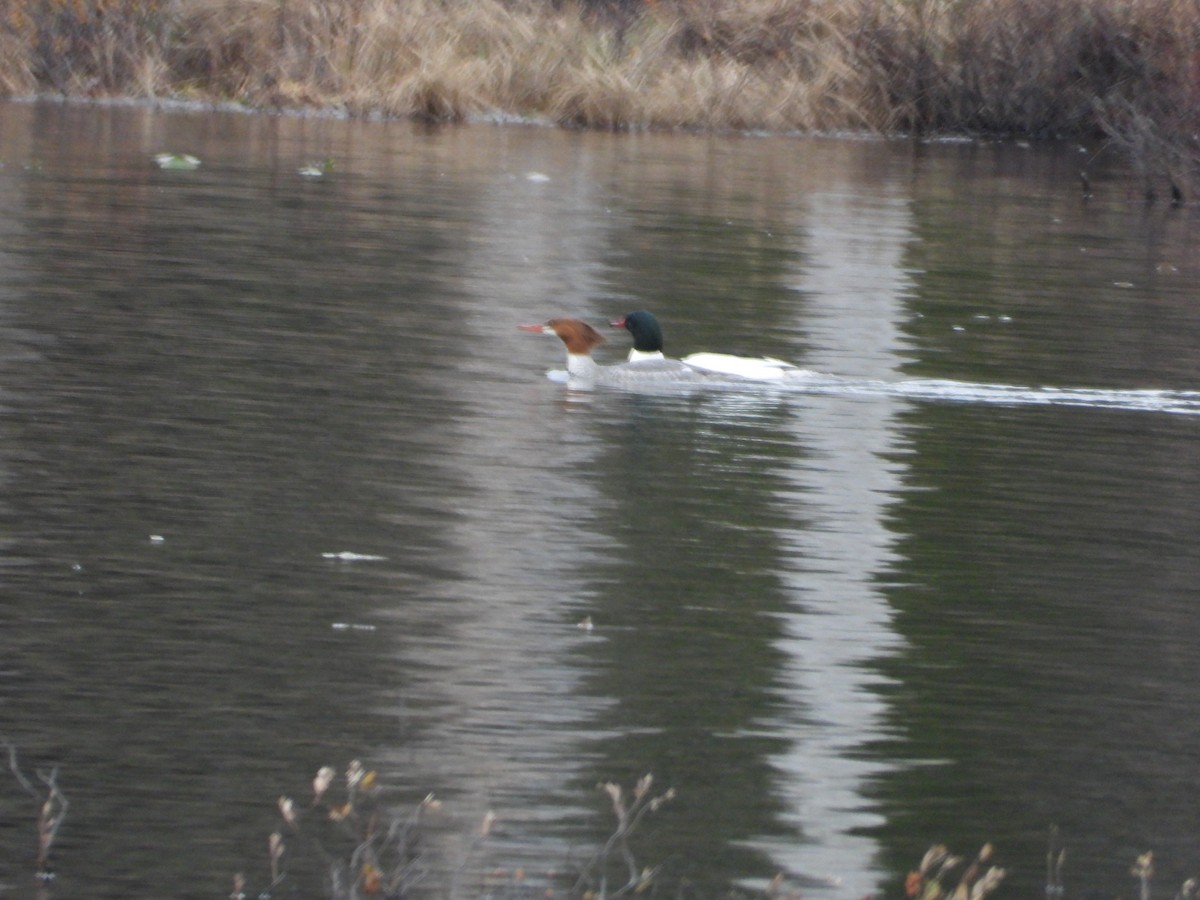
(1128, 69)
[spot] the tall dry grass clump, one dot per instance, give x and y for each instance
(1128, 69)
(418, 58)
(82, 46)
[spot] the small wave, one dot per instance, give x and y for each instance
(949, 391)
(807, 381)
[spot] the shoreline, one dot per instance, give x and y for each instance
(232, 107)
(1109, 70)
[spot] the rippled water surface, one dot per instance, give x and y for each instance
(945, 592)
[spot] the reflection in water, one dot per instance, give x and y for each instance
(838, 624)
(494, 654)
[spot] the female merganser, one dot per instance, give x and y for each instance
(649, 371)
(648, 344)
(580, 338)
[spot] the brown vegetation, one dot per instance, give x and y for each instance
(361, 849)
(1128, 69)
(367, 851)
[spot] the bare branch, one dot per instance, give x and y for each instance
(15, 768)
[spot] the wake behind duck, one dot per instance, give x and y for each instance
(648, 369)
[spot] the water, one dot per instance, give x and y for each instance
(944, 594)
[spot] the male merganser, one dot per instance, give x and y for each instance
(647, 335)
(648, 344)
(580, 337)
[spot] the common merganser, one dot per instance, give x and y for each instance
(579, 337)
(648, 344)
(650, 371)
(647, 335)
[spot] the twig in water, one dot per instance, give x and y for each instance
(383, 855)
(1056, 857)
(628, 818)
(52, 812)
(979, 879)
(1143, 870)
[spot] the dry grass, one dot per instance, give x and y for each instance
(1126, 68)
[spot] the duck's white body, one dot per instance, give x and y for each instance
(648, 344)
(762, 368)
(636, 355)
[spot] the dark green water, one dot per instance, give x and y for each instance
(917, 606)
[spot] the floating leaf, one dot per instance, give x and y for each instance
(317, 169)
(181, 161)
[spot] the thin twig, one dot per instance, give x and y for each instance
(16, 769)
(53, 809)
(628, 819)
